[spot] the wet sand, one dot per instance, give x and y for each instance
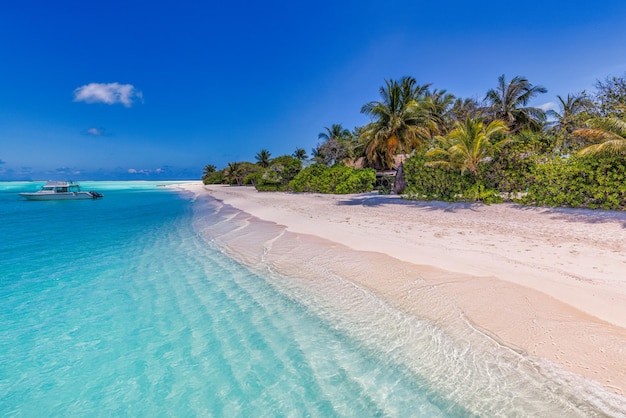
(549, 283)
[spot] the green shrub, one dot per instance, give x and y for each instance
(253, 178)
(216, 177)
(278, 174)
(479, 193)
(510, 168)
(337, 179)
(425, 182)
(589, 182)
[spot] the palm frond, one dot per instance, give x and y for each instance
(610, 124)
(611, 147)
(609, 135)
(595, 135)
(439, 164)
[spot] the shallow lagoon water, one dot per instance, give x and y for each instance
(121, 306)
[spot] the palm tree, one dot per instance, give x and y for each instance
(462, 109)
(439, 104)
(208, 170)
(413, 91)
(336, 131)
(299, 154)
(339, 144)
(263, 158)
(509, 101)
(233, 172)
(468, 144)
(400, 123)
(608, 133)
(316, 154)
(569, 115)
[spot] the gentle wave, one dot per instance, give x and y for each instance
(130, 306)
(454, 362)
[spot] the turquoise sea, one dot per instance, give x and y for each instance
(121, 307)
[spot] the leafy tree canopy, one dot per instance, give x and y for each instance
(611, 96)
(509, 102)
(402, 121)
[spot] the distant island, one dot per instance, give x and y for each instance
(427, 144)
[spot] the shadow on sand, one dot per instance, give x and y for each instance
(373, 199)
(592, 216)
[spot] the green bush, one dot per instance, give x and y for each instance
(253, 178)
(337, 179)
(278, 174)
(425, 182)
(510, 168)
(589, 182)
(216, 177)
(479, 193)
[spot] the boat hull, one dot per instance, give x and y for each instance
(58, 196)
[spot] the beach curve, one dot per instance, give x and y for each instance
(543, 281)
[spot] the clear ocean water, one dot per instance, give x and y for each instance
(119, 307)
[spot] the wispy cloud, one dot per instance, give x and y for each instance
(109, 93)
(95, 132)
(161, 170)
(140, 171)
(67, 170)
(547, 106)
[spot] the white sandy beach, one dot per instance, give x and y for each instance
(549, 282)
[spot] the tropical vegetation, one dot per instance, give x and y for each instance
(468, 144)
(570, 153)
(338, 179)
(401, 122)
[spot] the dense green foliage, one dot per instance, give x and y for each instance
(590, 182)
(240, 173)
(436, 182)
(278, 174)
(210, 175)
(337, 179)
(508, 170)
(468, 144)
(503, 176)
(580, 182)
(509, 103)
(216, 177)
(401, 121)
(500, 148)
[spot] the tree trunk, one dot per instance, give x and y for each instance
(400, 182)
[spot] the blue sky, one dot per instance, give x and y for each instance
(151, 89)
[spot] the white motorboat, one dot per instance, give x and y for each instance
(60, 190)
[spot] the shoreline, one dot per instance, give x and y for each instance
(541, 281)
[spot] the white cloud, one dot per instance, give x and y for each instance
(547, 106)
(95, 131)
(135, 171)
(147, 171)
(109, 93)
